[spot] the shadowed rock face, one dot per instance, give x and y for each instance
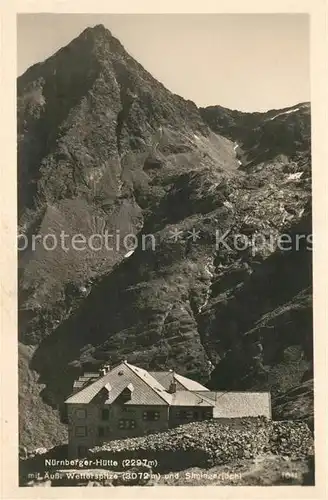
(103, 146)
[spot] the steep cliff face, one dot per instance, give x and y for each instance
(104, 147)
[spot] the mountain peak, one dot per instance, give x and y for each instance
(100, 38)
(97, 30)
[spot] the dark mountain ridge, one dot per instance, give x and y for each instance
(260, 136)
(103, 146)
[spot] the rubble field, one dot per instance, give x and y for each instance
(212, 442)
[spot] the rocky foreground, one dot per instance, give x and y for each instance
(241, 452)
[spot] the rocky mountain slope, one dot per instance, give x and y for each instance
(103, 148)
(264, 135)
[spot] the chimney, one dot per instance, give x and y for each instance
(104, 369)
(173, 387)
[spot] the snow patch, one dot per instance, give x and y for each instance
(294, 177)
(205, 302)
(235, 146)
(228, 204)
(196, 137)
(128, 254)
(285, 113)
(209, 268)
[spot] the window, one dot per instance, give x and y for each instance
(126, 409)
(185, 414)
(207, 414)
(125, 395)
(102, 396)
(80, 431)
(104, 414)
(81, 413)
(125, 423)
(103, 431)
(151, 415)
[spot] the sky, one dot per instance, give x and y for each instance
(250, 62)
